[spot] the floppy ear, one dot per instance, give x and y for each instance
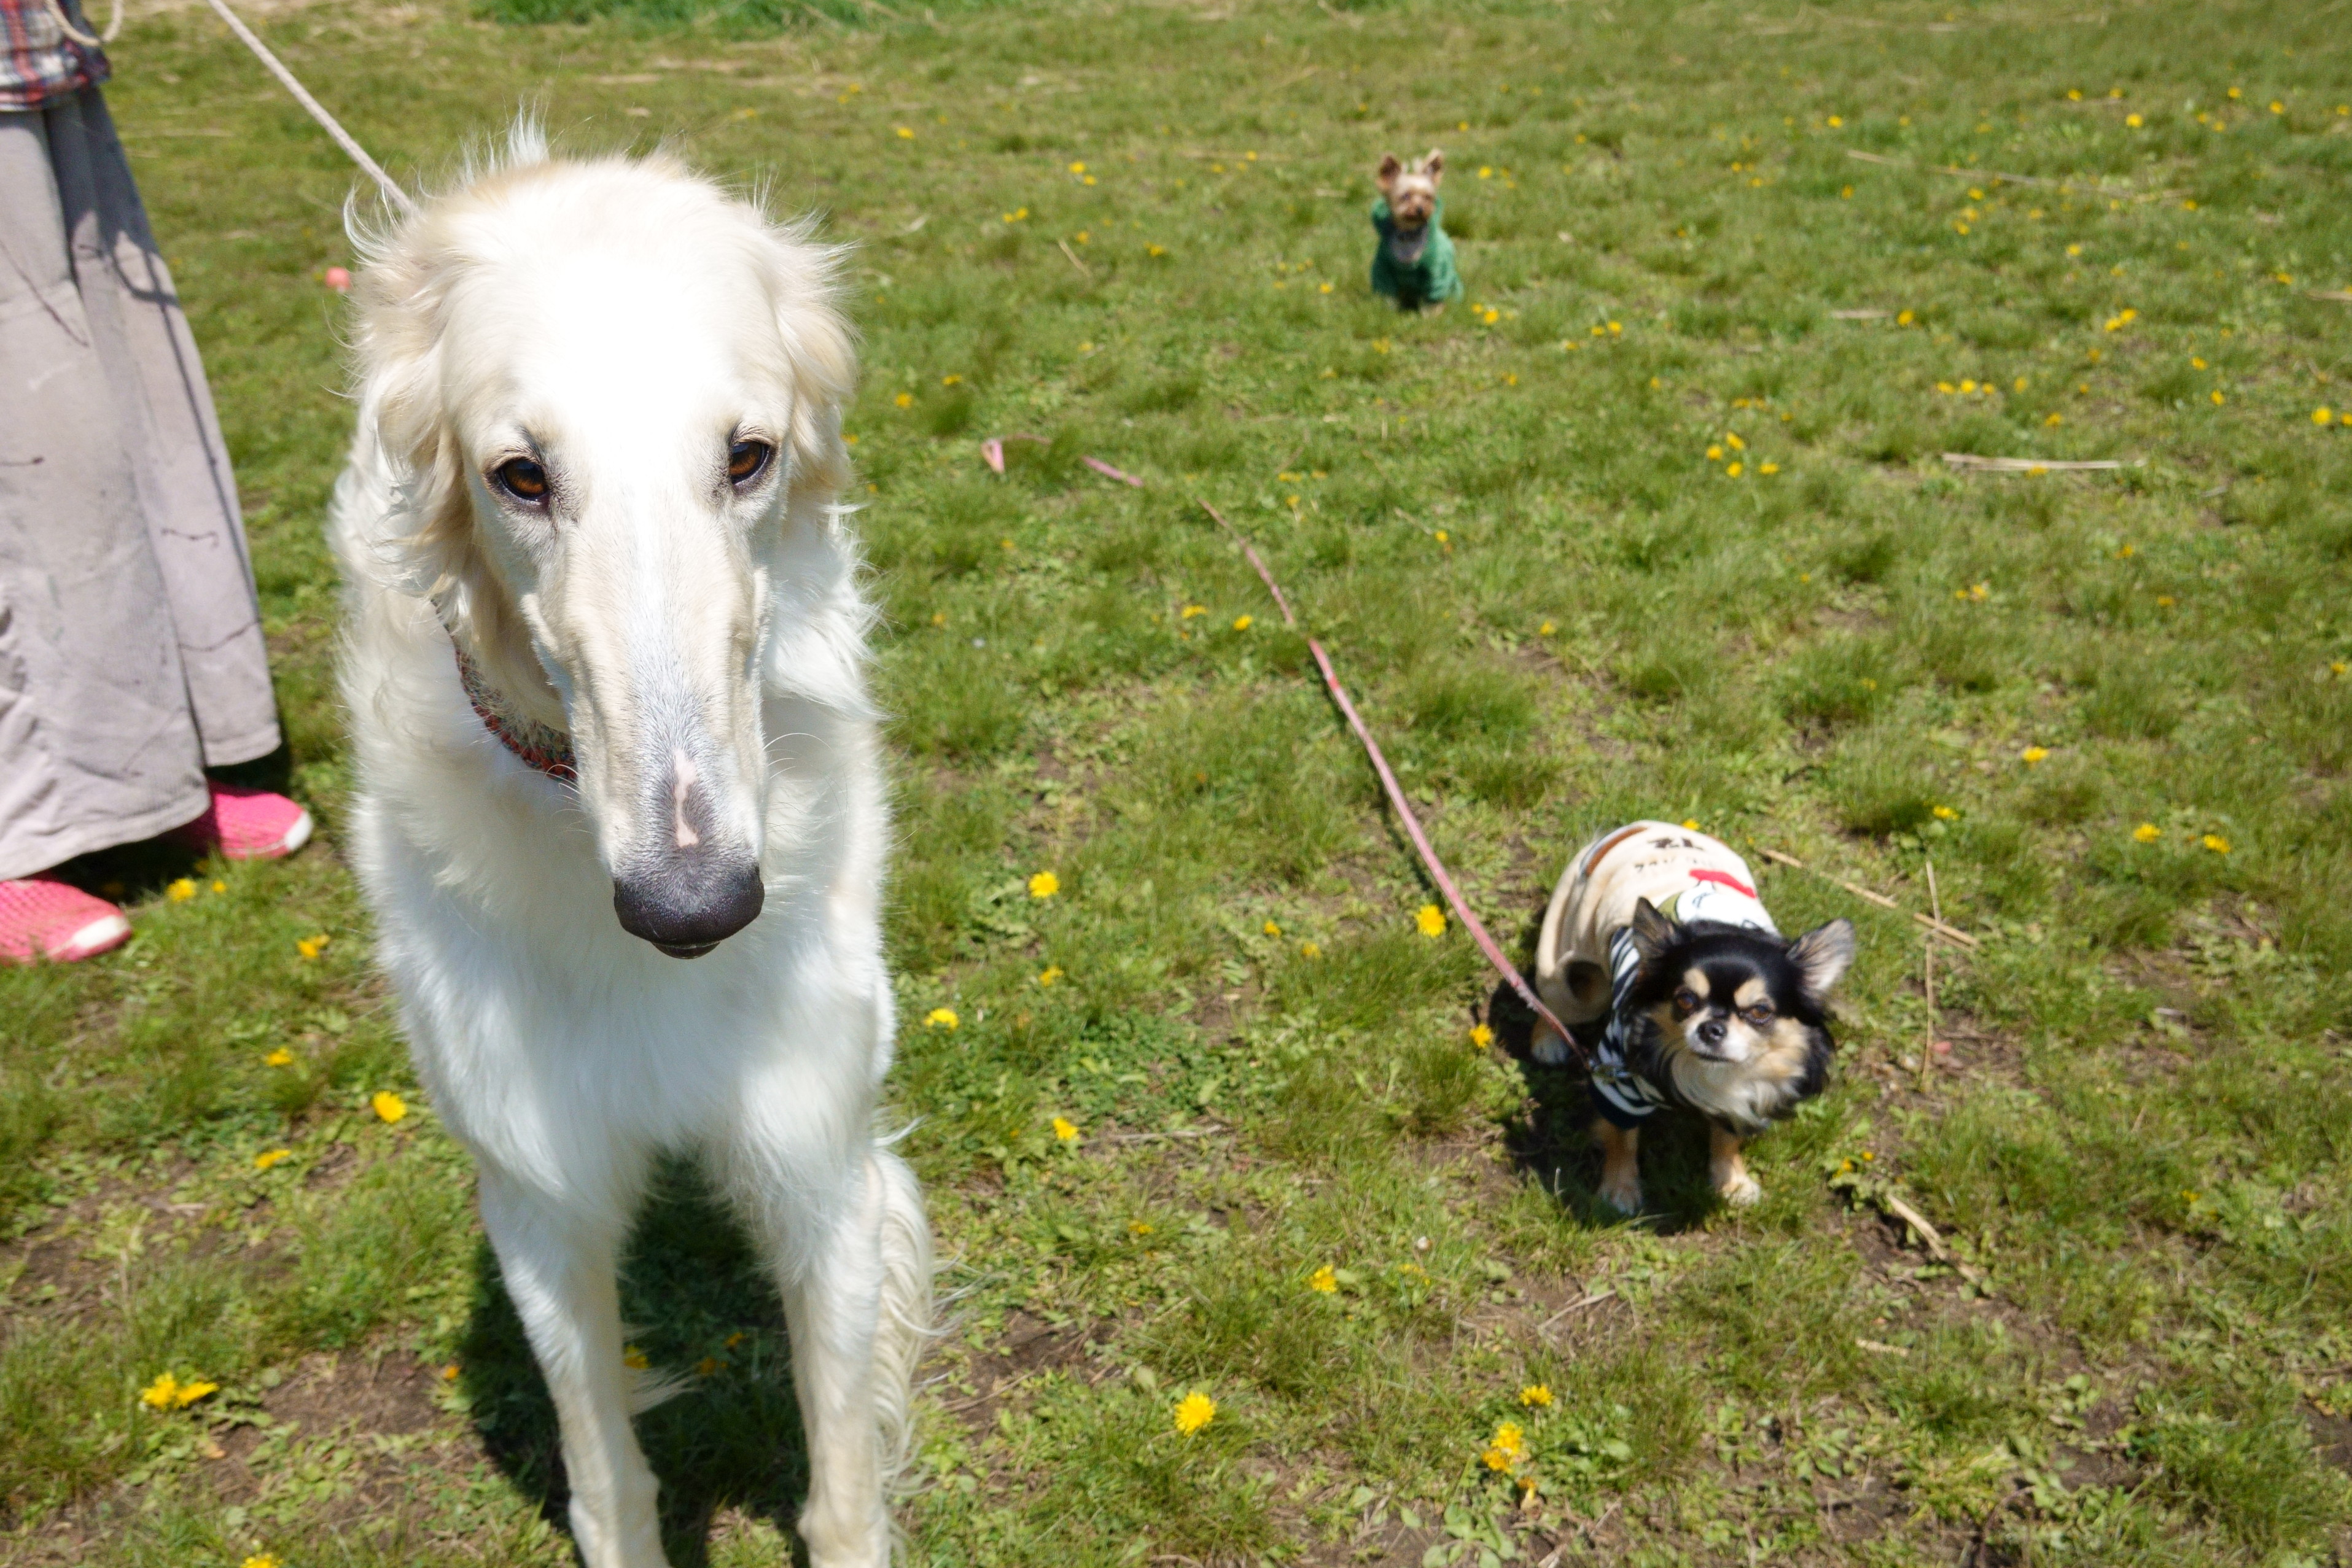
(1385, 177)
(1434, 165)
(430, 548)
(820, 357)
(1653, 932)
(1822, 955)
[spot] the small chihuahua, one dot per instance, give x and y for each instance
(1414, 263)
(1657, 930)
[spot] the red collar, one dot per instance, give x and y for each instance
(540, 747)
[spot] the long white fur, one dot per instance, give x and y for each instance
(628, 314)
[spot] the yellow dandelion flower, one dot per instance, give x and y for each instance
(1044, 884)
(1509, 1442)
(1733, 469)
(261, 1560)
(1139, 1227)
(1946, 813)
(1715, 453)
(1481, 1036)
(2055, 420)
(905, 400)
(949, 381)
(168, 1393)
(1324, 1279)
(1431, 920)
(1271, 929)
(2134, 120)
(906, 133)
(1768, 467)
(634, 1358)
(2216, 395)
(2033, 754)
(450, 1372)
(1064, 1130)
(706, 1366)
(1535, 1395)
(181, 890)
(219, 886)
(1194, 1412)
(1734, 442)
(1243, 623)
(2217, 843)
(2148, 832)
(1904, 318)
(268, 1157)
(1191, 609)
(1546, 630)
(1077, 167)
(1050, 975)
(1617, 329)
(1311, 950)
(281, 1057)
(1155, 250)
(2321, 415)
(943, 1018)
(736, 1338)
(388, 1106)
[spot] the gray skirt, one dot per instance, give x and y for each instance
(130, 648)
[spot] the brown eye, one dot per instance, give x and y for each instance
(746, 460)
(522, 479)
(1760, 1015)
(1685, 1002)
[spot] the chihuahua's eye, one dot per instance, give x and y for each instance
(1685, 1002)
(1760, 1015)
(746, 460)
(522, 479)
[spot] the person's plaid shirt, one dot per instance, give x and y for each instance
(38, 63)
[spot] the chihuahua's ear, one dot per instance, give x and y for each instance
(1822, 955)
(1434, 165)
(1389, 170)
(1653, 932)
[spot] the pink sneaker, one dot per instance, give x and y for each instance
(41, 918)
(250, 824)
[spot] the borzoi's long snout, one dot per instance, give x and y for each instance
(693, 885)
(665, 719)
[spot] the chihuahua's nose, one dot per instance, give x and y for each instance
(1711, 1033)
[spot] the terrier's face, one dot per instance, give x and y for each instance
(1411, 194)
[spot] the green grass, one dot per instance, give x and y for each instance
(1560, 611)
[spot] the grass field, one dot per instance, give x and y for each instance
(1655, 523)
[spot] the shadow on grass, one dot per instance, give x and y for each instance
(698, 1304)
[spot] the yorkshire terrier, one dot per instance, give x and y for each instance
(1656, 935)
(1414, 263)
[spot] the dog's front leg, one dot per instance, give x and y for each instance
(1621, 1165)
(858, 1308)
(559, 1268)
(1733, 1184)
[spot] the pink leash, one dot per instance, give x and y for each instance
(1437, 873)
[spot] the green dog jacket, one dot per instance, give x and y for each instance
(1430, 281)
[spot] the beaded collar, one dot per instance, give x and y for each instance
(541, 748)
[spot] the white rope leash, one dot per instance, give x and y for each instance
(317, 111)
(391, 191)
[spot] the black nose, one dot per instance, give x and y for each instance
(1711, 1033)
(689, 904)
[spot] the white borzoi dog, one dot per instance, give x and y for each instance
(604, 653)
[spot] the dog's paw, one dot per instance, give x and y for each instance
(1624, 1196)
(1548, 1048)
(1742, 1191)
